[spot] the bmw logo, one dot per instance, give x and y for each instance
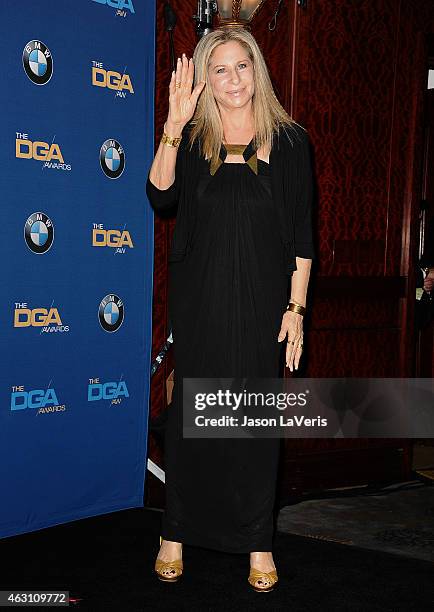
(38, 62)
(39, 233)
(111, 312)
(112, 158)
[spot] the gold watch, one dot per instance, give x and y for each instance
(170, 140)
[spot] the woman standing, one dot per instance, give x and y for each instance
(238, 167)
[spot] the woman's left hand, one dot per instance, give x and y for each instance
(292, 325)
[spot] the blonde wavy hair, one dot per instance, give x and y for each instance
(269, 115)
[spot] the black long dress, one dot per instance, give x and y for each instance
(226, 301)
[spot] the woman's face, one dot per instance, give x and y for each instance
(230, 73)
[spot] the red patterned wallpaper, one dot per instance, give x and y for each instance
(353, 74)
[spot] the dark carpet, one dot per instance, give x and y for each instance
(107, 563)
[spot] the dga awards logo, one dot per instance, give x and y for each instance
(112, 158)
(111, 312)
(116, 239)
(110, 79)
(50, 154)
(48, 320)
(114, 391)
(122, 6)
(44, 400)
(38, 62)
(39, 233)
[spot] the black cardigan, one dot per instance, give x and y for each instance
(292, 189)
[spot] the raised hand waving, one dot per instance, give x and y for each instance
(182, 100)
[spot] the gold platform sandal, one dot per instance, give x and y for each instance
(267, 579)
(168, 571)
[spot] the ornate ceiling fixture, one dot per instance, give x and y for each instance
(238, 12)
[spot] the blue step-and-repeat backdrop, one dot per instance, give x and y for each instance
(77, 89)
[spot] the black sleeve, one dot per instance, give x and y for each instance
(303, 209)
(161, 199)
(427, 259)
